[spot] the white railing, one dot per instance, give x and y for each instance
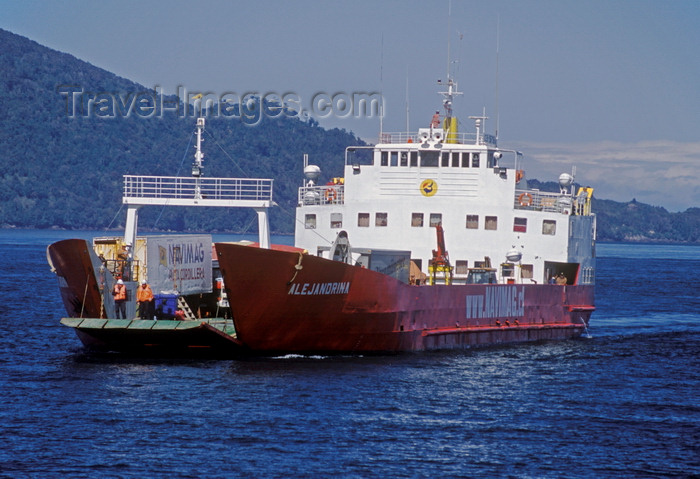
(173, 187)
(322, 195)
(461, 138)
(537, 200)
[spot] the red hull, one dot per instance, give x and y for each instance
(76, 276)
(327, 306)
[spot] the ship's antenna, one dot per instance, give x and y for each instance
(498, 41)
(459, 53)
(449, 18)
(198, 157)
(448, 96)
(408, 128)
(381, 91)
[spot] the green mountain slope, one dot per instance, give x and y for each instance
(66, 172)
(61, 167)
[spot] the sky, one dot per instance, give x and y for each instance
(608, 87)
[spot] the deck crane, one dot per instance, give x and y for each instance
(440, 267)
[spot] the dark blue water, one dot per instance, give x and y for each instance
(623, 403)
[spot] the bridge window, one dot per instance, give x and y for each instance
(404, 158)
(394, 158)
(435, 219)
(416, 219)
(491, 223)
(465, 160)
(455, 160)
(475, 160)
(445, 159)
(414, 158)
(520, 225)
(473, 222)
(363, 220)
(385, 158)
(336, 220)
(310, 222)
(549, 227)
(380, 219)
(429, 158)
(526, 271)
(362, 156)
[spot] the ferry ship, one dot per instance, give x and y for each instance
(376, 275)
(428, 240)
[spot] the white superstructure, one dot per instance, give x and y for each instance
(394, 192)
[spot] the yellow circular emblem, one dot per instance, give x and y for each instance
(428, 187)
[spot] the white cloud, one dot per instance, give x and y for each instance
(659, 173)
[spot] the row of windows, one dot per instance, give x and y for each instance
(433, 159)
(549, 227)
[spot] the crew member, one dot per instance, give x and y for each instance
(119, 293)
(144, 297)
(124, 262)
(179, 315)
(436, 120)
(561, 279)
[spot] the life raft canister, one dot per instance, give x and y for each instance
(525, 199)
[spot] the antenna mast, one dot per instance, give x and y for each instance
(198, 157)
(449, 19)
(498, 41)
(381, 89)
(408, 129)
(450, 123)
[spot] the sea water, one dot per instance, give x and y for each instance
(622, 403)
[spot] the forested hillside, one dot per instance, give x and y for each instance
(62, 168)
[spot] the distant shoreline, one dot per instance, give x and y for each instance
(141, 230)
(641, 241)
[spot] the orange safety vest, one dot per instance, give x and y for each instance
(144, 294)
(119, 292)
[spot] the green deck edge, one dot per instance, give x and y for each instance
(225, 326)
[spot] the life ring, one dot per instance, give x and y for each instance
(525, 199)
(331, 195)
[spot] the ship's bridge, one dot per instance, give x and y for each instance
(462, 166)
(465, 168)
